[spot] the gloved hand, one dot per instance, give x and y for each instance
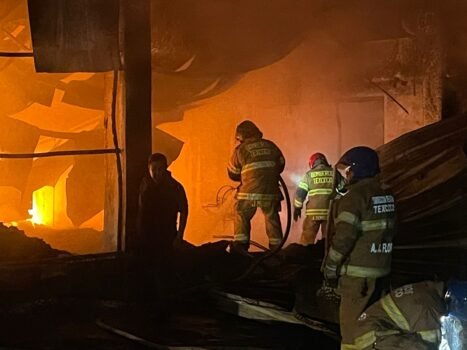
(330, 271)
(297, 213)
(328, 292)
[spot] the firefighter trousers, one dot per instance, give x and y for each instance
(244, 212)
(356, 295)
(311, 229)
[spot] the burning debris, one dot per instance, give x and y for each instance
(16, 246)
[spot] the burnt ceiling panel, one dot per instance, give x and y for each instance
(190, 37)
(211, 37)
(74, 35)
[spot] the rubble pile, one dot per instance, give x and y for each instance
(16, 246)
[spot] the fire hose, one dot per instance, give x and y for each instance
(276, 249)
(262, 258)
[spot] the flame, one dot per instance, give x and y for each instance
(42, 212)
(11, 224)
(35, 217)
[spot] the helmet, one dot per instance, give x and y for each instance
(247, 129)
(363, 162)
(317, 159)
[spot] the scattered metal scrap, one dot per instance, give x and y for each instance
(262, 311)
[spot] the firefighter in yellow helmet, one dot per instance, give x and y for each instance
(317, 185)
(362, 230)
(407, 318)
(257, 164)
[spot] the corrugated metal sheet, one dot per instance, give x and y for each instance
(427, 170)
(425, 158)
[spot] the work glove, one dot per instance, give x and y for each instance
(297, 213)
(331, 269)
(328, 292)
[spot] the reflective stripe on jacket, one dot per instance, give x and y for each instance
(317, 185)
(257, 164)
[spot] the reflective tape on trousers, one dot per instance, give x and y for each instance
(275, 241)
(257, 196)
(321, 213)
(319, 191)
(317, 211)
(241, 238)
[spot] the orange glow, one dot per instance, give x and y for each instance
(42, 212)
(11, 224)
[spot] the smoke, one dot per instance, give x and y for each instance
(294, 178)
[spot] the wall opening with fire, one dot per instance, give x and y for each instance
(58, 199)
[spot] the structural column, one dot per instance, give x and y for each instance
(136, 37)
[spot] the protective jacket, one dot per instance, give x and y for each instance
(257, 163)
(411, 309)
(317, 185)
(363, 230)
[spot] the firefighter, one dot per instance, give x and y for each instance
(363, 227)
(407, 318)
(317, 185)
(257, 164)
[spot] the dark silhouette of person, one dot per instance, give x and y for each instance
(162, 202)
